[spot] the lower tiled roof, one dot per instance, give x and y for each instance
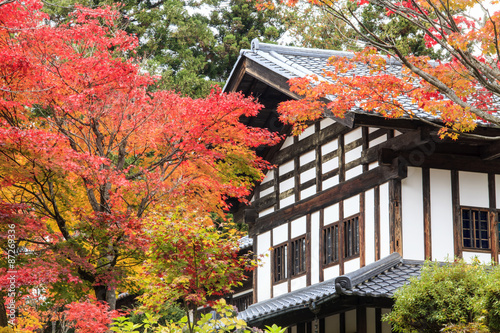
(379, 279)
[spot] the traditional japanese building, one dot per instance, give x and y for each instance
(355, 205)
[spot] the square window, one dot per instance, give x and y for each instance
(280, 258)
(475, 229)
(351, 237)
(298, 248)
(331, 244)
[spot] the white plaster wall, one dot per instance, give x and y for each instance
(288, 142)
(307, 132)
(473, 189)
(299, 282)
(369, 226)
(330, 165)
(351, 265)
(311, 190)
(413, 215)
(329, 147)
(307, 157)
(351, 206)
(332, 324)
(350, 321)
(485, 258)
(353, 154)
(372, 166)
(385, 240)
(287, 184)
(330, 272)
(266, 211)
(287, 201)
(441, 215)
(315, 241)
(280, 289)
(331, 214)
(299, 227)
(269, 176)
(280, 234)
(325, 122)
(264, 271)
(307, 175)
(267, 191)
(330, 182)
(354, 172)
(286, 167)
(372, 129)
(352, 135)
(377, 141)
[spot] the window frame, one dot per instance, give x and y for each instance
(302, 260)
(341, 241)
(355, 237)
(325, 245)
(473, 238)
(283, 260)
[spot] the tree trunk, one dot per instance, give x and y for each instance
(3, 313)
(106, 294)
(111, 298)
(100, 293)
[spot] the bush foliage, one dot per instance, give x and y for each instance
(450, 297)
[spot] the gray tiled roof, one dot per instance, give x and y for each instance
(292, 62)
(386, 283)
(379, 279)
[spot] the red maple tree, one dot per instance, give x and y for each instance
(91, 148)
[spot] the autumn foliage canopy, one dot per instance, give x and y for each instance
(89, 149)
(459, 90)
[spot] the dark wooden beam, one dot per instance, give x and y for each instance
(269, 77)
(395, 216)
(457, 218)
(406, 141)
(452, 162)
(361, 321)
(376, 203)
(308, 250)
(426, 189)
(237, 77)
(493, 217)
(374, 120)
(491, 151)
(334, 194)
(362, 242)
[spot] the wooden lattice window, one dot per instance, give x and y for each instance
(280, 258)
(351, 236)
(475, 229)
(331, 244)
(242, 302)
(298, 255)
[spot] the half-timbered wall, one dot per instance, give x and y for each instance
(433, 202)
(418, 214)
(322, 157)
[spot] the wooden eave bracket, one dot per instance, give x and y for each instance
(490, 151)
(385, 152)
